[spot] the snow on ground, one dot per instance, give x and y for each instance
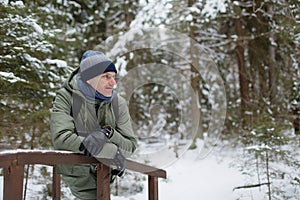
(210, 178)
(200, 179)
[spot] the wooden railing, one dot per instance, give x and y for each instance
(13, 163)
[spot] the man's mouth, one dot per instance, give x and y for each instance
(109, 88)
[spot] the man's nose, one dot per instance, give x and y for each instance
(112, 81)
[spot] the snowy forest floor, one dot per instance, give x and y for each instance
(214, 177)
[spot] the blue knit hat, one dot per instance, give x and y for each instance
(94, 63)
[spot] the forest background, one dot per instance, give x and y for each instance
(254, 44)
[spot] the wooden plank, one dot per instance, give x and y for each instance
(103, 182)
(145, 169)
(6, 160)
(53, 158)
(152, 188)
(13, 181)
(55, 185)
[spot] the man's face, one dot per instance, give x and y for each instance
(104, 83)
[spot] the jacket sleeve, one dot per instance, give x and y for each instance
(123, 135)
(62, 125)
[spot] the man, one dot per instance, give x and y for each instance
(88, 117)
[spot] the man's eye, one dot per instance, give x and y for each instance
(109, 76)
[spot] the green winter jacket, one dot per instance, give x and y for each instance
(66, 136)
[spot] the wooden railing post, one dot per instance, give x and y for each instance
(103, 182)
(153, 187)
(55, 185)
(13, 181)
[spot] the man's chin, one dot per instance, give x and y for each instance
(107, 94)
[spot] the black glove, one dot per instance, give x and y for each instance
(94, 142)
(120, 162)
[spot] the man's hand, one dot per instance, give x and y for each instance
(94, 142)
(120, 162)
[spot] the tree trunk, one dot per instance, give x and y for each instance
(296, 121)
(243, 79)
(195, 77)
(271, 64)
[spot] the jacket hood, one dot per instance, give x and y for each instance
(74, 84)
(71, 83)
